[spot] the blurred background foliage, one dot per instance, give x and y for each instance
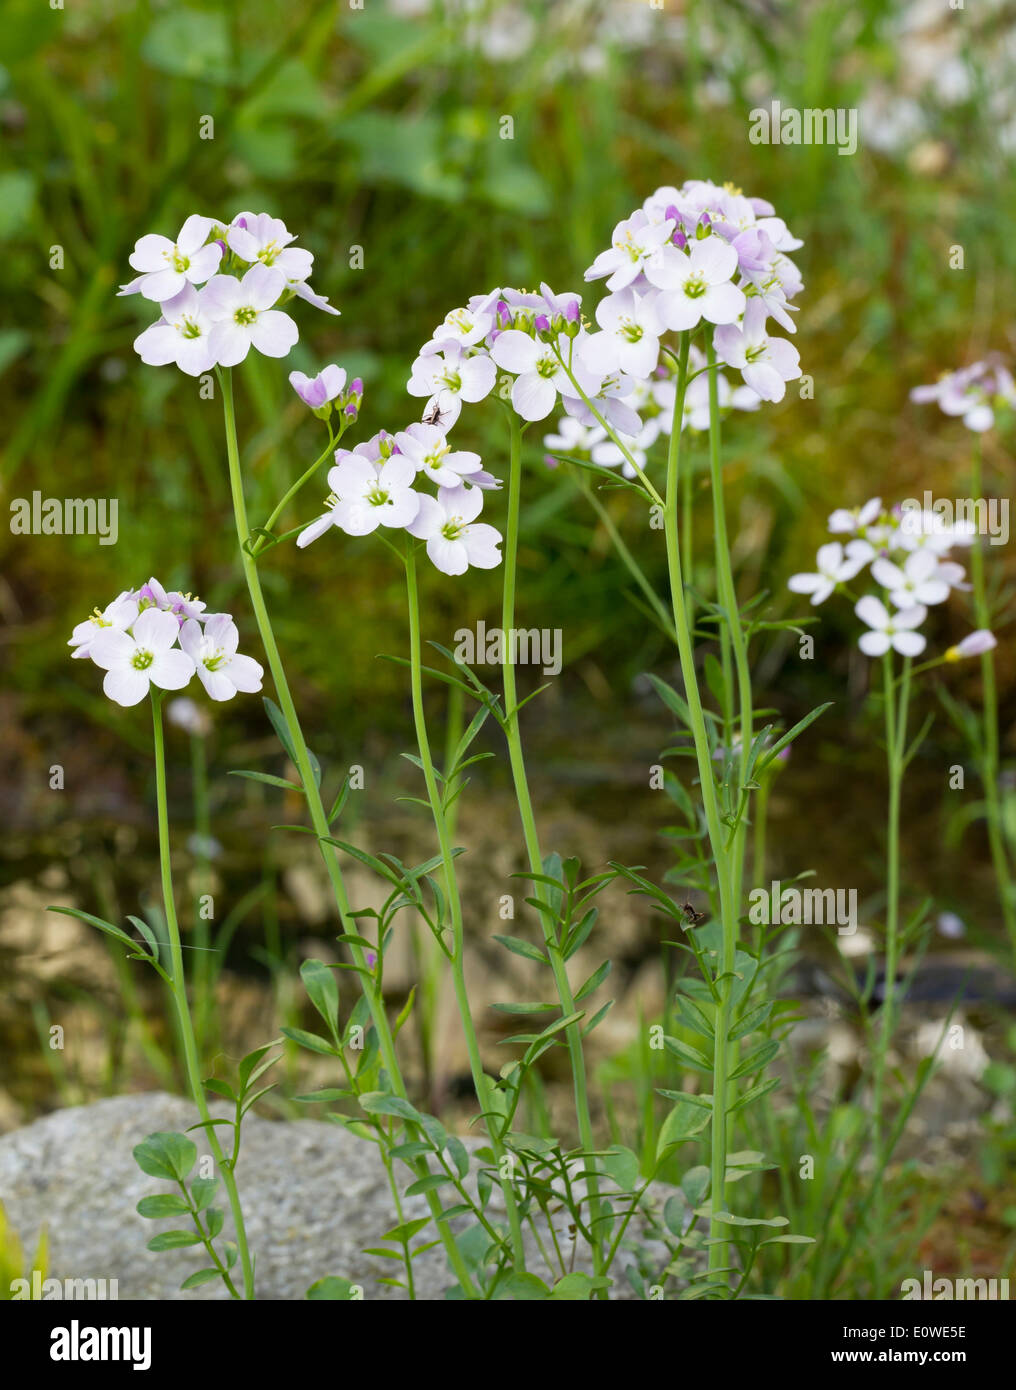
(381, 128)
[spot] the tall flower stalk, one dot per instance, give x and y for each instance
(906, 551)
(989, 726)
(481, 1082)
(976, 394)
(699, 259)
(516, 756)
(178, 985)
(315, 805)
(726, 873)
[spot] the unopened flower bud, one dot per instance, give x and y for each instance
(974, 644)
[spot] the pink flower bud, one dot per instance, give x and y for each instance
(974, 644)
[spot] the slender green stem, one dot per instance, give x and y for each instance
(989, 716)
(260, 543)
(318, 815)
(761, 824)
(481, 1082)
(573, 1034)
(383, 1146)
(714, 826)
(725, 584)
(605, 424)
(213, 1254)
(727, 591)
(688, 532)
(204, 1013)
(897, 700)
(179, 985)
(633, 566)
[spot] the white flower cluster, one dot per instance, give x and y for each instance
(652, 401)
(906, 551)
(149, 636)
(247, 268)
(700, 256)
(373, 485)
(974, 393)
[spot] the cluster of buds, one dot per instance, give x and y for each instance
(328, 391)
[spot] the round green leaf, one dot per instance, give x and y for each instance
(169, 1156)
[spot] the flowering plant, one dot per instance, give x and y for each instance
(700, 293)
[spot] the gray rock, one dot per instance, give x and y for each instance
(314, 1196)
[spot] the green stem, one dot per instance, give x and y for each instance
(761, 825)
(573, 1034)
(207, 1243)
(739, 647)
(481, 1082)
(688, 532)
(613, 434)
(897, 701)
(203, 1010)
(318, 815)
(179, 985)
(714, 826)
(634, 568)
(727, 589)
(260, 544)
(989, 745)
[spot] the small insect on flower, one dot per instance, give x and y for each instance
(427, 448)
(448, 378)
(435, 414)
